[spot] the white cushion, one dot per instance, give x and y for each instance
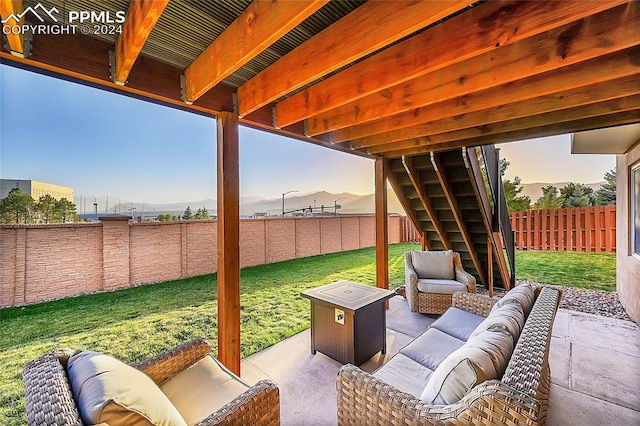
(202, 389)
(522, 294)
(431, 285)
(509, 317)
(109, 391)
(483, 358)
(433, 264)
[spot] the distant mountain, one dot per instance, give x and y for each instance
(534, 190)
(250, 205)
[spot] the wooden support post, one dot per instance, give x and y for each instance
(382, 234)
(490, 246)
(228, 242)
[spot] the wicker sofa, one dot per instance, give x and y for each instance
(50, 399)
(517, 397)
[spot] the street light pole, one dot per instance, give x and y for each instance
(283, 194)
(335, 205)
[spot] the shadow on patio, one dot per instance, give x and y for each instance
(595, 368)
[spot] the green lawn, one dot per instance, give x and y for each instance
(584, 270)
(137, 323)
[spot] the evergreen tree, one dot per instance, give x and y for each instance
(549, 198)
(512, 190)
(202, 214)
(65, 210)
(577, 195)
(46, 208)
(188, 214)
(16, 207)
(606, 194)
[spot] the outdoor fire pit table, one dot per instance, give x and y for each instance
(348, 321)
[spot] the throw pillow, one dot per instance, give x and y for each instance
(109, 391)
(522, 294)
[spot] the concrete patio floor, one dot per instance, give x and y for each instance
(595, 369)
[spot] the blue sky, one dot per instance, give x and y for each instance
(103, 144)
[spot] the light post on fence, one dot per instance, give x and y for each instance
(335, 205)
(283, 194)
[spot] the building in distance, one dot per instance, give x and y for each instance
(35, 188)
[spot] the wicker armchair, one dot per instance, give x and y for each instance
(50, 401)
(435, 302)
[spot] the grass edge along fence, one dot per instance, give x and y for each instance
(580, 229)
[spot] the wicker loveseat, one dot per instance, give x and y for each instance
(431, 278)
(517, 397)
(50, 399)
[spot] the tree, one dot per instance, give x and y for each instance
(577, 195)
(46, 208)
(512, 190)
(16, 206)
(188, 214)
(65, 210)
(549, 198)
(606, 194)
(202, 214)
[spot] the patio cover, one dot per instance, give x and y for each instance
(378, 79)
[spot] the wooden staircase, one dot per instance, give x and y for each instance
(446, 197)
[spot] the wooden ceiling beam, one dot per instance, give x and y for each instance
(258, 27)
(418, 185)
(591, 123)
(478, 30)
(596, 109)
(585, 95)
(15, 41)
(370, 27)
(594, 71)
(141, 17)
(607, 32)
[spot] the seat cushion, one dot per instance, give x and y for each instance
(523, 294)
(457, 374)
(404, 374)
(458, 323)
(433, 264)
(110, 391)
(202, 389)
(431, 285)
(509, 317)
(431, 348)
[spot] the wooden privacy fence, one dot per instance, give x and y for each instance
(590, 229)
(408, 231)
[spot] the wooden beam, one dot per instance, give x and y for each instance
(592, 123)
(345, 41)
(596, 109)
(607, 32)
(15, 41)
(258, 27)
(441, 172)
(485, 119)
(141, 17)
(480, 29)
(597, 70)
(382, 226)
(228, 242)
(418, 185)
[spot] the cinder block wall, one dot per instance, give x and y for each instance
(45, 262)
